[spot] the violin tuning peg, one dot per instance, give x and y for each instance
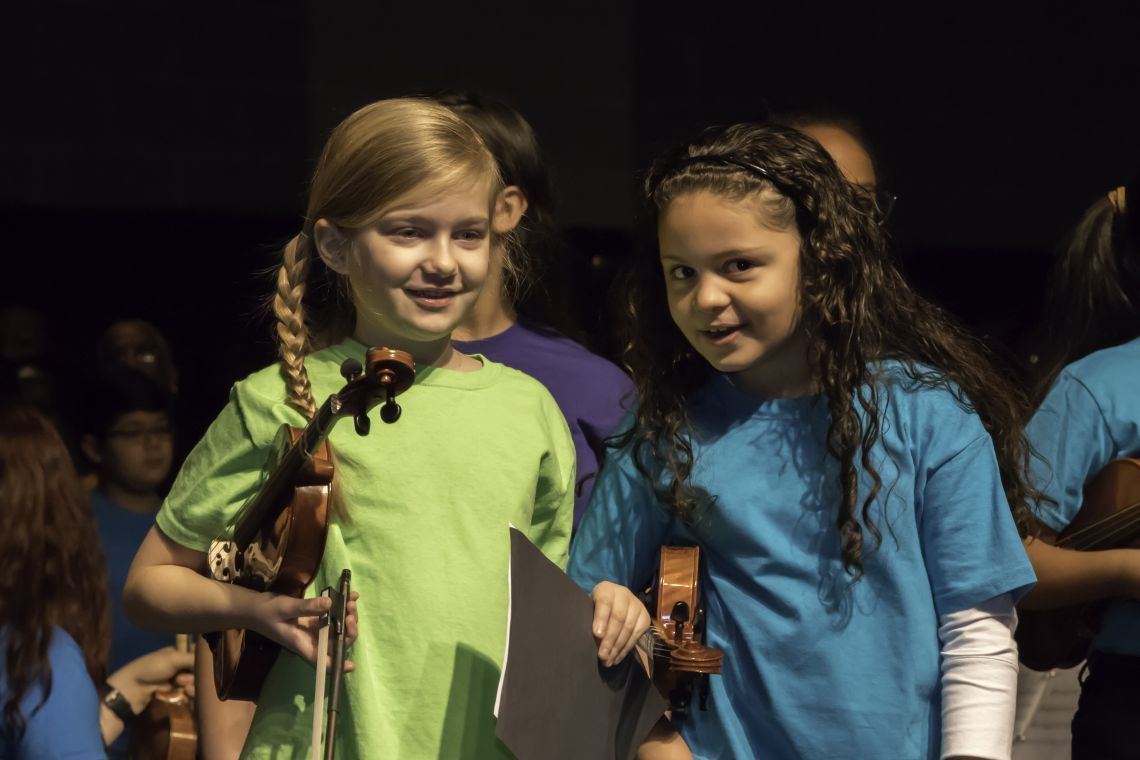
(390, 412)
(350, 368)
(363, 424)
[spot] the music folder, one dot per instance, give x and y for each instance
(555, 698)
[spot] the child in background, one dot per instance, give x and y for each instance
(404, 208)
(126, 435)
(1089, 417)
(516, 318)
(844, 456)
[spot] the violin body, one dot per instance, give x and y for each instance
(166, 729)
(1109, 518)
(242, 658)
(681, 663)
(279, 537)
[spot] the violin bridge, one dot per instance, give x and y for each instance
(223, 556)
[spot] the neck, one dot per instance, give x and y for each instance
(143, 503)
(784, 374)
(493, 313)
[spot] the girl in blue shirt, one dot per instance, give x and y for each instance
(54, 623)
(1090, 416)
(844, 456)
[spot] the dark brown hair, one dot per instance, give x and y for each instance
(52, 571)
(856, 311)
(1093, 297)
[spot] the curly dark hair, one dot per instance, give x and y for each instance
(856, 311)
(52, 571)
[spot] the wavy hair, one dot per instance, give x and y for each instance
(52, 570)
(856, 311)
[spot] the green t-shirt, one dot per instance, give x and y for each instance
(429, 499)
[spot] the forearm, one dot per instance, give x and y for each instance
(178, 599)
(1066, 577)
(979, 681)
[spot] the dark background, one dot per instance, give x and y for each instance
(154, 156)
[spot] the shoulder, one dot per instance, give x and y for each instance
(72, 703)
(571, 356)
(66, 656)
(516, 387)
(924, 409)
(1105, 374)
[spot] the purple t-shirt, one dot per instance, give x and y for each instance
(592, 393)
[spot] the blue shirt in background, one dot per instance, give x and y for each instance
(121, 532)
(67, 724)
(589, 390)
(814, 667)
(1090, 417)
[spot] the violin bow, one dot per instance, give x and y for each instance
(334, 620)
(319, 695)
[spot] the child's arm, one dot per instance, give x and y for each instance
(664, 743)
(167, 589)
(1066, 577)
(979, 680)
(619, 620)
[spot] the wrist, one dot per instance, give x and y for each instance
(119, 704)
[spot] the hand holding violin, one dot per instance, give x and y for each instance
(619, 620)
(139, 679)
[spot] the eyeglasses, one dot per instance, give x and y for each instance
(140, 434)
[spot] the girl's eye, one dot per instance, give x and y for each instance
(411, 233)
(681, 272)
(470, 236)
(739, 265)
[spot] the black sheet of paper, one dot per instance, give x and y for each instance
(556, 700)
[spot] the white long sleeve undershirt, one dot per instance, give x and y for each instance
(979, 680)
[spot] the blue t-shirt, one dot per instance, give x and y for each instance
(592, 393)
(1090, 417)
(67, 724)
(813, 667)
(121, 532)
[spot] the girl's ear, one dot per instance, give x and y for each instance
(90, 448)
(509, 209)
(332, 245)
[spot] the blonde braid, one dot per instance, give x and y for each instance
(292, 333)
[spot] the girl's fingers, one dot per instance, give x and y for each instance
(613, 629)
(638, 626)
(624, 638)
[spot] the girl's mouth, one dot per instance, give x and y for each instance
(432, 298)
(721, 333)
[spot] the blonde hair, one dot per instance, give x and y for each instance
(376, 156)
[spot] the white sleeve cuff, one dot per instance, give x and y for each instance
(979, 680)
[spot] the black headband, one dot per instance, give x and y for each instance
(725, 160)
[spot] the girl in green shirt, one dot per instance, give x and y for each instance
(403, 208)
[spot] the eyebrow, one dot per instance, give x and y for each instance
(397, 218)
(727, 254)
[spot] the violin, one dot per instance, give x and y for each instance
(166, 729)
(278, 539)
(681, 663)
(1109, 518)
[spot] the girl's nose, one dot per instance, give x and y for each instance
(440, 261)
(709, 295)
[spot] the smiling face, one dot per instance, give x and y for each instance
(416, 272)
(733, 289)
